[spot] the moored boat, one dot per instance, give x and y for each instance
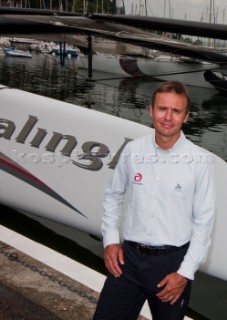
(217, 79)
(191, 73)
(66, 52)
(58, 169)
(12, 52)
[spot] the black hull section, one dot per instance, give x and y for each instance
(219, 82)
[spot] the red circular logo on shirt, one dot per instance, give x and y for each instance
(138, 177)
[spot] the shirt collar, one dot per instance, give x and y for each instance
(174, 148)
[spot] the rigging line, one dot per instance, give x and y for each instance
(49, 56)
(152, 13)
(155, 75)
(102, 79)
(145, 77)
(99, 81)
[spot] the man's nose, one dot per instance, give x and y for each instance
(168, 114)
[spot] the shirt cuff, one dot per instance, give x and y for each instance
(111, 238)
(185, 272)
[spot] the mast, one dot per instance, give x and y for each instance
(164, 13)
(145, 7)
(223, 21)
(210, 19)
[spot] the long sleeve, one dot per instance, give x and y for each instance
(202, 220)
(113, 201)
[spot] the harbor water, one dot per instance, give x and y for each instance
(127, 98)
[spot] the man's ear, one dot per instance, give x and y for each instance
(186, 117)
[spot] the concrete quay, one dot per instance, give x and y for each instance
(37, 283)
(30, 289)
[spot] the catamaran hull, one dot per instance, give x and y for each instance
(190, 73)
(56, 159)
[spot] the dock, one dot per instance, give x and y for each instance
(39, 283)
(30, 289)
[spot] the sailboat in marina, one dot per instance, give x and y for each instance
(170, 59)
(56, 159)
(158, 67)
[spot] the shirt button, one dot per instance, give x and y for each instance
(157, 178)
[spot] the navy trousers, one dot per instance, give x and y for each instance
(122, 298)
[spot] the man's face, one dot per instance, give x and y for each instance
(168, 114)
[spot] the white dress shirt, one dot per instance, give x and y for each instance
(171, 198)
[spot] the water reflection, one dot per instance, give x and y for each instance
(126, 98)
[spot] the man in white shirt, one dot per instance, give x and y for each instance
(171, 204)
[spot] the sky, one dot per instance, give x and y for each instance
(196, 10)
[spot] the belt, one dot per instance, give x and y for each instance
(155, 250)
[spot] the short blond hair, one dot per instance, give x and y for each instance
(172, 86)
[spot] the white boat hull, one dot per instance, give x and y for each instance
(17, 53)
(162, 69)
(37, 178)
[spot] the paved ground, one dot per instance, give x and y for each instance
(30, 290)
